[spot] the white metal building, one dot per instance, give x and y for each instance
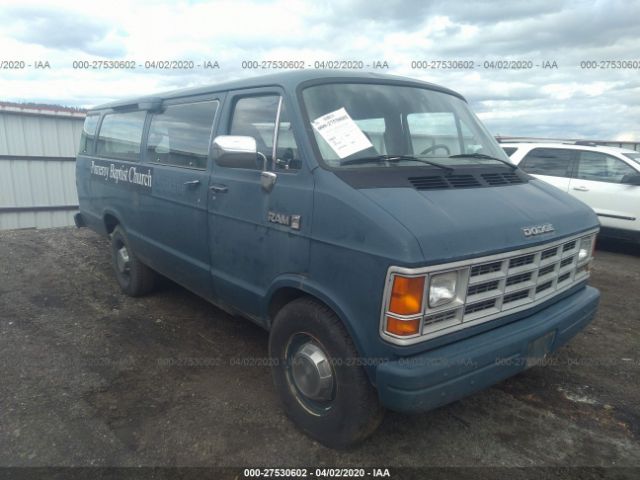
(38, 144)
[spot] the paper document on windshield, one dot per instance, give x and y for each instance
(342, 134)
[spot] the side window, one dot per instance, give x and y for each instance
(180, 135)
(88, 134)
(554, 162)
(120, 135)
(601, 168)
(255, 117)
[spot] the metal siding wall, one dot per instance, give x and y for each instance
(10, 221)
(37, 182)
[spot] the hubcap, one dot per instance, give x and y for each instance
(122, 259)
(312, 373)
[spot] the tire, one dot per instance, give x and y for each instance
(348, 410)
(133, 276)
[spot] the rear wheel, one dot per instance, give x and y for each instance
(318, 377)
(133, 276)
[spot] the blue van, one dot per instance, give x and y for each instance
(369, 222)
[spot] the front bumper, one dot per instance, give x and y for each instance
(428, 380)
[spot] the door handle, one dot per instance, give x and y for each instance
(581, 189)
(192, 183)
(218, 188)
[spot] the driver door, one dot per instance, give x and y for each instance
(257, 234)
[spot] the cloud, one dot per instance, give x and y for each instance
(411, 13)
(58, 29)
(567, 101)
(574, 26)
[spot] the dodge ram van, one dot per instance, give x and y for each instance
(369, 222)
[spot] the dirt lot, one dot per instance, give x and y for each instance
(92, 377)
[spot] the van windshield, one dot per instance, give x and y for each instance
(363, 125)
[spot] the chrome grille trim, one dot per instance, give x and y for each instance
(494, 286)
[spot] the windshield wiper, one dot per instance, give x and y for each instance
(483, 156)
(394, 158)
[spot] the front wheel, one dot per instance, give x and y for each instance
(318, 377)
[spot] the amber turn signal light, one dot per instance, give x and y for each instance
(403, 328)
(406, 295)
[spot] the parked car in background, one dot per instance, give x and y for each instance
(605, 178)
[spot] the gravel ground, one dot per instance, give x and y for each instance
(91, 377)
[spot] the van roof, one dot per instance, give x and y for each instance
(288, 80)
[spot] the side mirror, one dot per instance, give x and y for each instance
(631, 179)
(236, 152)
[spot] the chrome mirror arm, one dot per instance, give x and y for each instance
(264, 161)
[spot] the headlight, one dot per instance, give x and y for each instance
(442, 288)
(585, 249)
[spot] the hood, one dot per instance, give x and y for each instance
(454, 224)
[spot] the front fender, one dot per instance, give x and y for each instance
(311, 288)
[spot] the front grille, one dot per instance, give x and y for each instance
(480, 306)
(546, 270)
(514, 297)
(482, 288)
(521, 261)
(544, 286)
(516, 279)
(566, 261)
(503, 284)
(440, 318)
(486, 268)
(498, 285)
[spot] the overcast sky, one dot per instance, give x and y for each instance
(568, 101)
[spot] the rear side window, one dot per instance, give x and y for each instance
(120, 135)
(602, 168)
(180, 135)
(88, 134)
(554, 162)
